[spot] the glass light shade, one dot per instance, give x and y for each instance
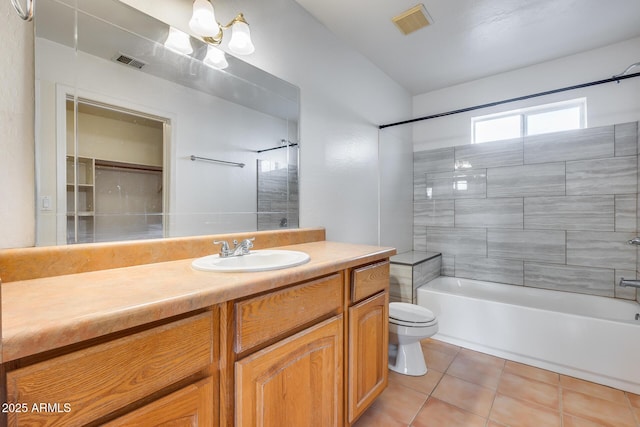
(240, 42)
(203, 20)
(215, 58)
(178, 41)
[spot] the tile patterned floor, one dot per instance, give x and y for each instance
(467, 389)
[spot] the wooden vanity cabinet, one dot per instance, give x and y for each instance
(300, 350)
(163, 373)
(368, 338)
(312, 353)
(290, 351)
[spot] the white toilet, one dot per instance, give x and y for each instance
(408, 324)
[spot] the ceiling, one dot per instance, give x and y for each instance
(471, 39)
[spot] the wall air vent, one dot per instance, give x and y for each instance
(413, 19)
(128, 60)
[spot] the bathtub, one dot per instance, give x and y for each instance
(589, 337)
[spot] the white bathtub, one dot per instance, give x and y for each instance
(589, 337)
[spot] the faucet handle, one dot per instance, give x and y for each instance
(245, 245)
(224, 248)
(248, 243)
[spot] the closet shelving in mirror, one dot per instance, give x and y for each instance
(80, 199)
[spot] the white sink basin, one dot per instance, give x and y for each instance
(260, 260)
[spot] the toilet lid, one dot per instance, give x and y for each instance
(410, 314)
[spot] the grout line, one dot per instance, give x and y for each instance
(631, 408)
(560, 402)
(419, 409)
(495, 395)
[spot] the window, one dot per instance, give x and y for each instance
(554, 117)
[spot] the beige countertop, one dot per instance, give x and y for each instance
(50, 312)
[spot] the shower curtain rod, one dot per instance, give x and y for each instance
(520, 98)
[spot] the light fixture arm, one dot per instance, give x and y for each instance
(217, 39)
(25, 15)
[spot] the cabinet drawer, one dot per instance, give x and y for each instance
(96, 381)
(268, 316)
(189, 406)
(369, 280)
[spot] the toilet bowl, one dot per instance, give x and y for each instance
(408, 324)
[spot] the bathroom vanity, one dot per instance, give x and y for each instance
(162, 342)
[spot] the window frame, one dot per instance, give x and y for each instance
(523, 113)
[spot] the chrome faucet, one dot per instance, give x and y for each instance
(633, 283)
(239, 249)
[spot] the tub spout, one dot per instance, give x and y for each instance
(633, 283)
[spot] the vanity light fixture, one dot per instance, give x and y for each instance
(178, 41)
(203, 22)
(215, 58)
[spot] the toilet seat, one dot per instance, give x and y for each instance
(411, 315)
(408, 325)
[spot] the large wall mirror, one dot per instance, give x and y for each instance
(136, 141)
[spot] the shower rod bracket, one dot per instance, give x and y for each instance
(629, 68)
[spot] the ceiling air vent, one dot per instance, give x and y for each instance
(413, 19)
(127, 60)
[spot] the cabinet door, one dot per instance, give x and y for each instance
(368, 349)
(187, 407)
(295, 382)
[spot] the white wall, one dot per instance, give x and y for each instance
(396, 188)
(17, 225)
(606, 104)
(344, 99)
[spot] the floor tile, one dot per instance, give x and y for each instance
(437, 413)
(634, 399)
(423, 384)
(482, 358)
(436, 359)
(441, 346)
(465, 395)
(593, 389)
(570, 421)
(636, 413)
(472, 369)
(523, 388)
(532, 372)
(474, 389)
(374, 417)
(519, 413)
(597, 410)
(399, 402)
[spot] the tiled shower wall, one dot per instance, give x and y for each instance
(548, 211)
(278, 201)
